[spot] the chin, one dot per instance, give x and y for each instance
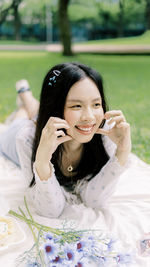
(84, 139)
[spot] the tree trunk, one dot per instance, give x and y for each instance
(64, 26)
(17, 22)
(147, 14)
(4, 13)
(121, 19)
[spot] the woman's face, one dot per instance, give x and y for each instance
(83, 110)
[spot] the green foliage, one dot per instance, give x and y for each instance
(95, 12)
(82, 12)
(126, 82)
(33, 11)
(4, 4)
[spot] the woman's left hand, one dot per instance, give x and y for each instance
(119, 134)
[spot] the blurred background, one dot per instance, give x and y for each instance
(112, 36)
(34, 20)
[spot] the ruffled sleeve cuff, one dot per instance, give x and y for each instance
(50, 180)
(114, 164)
(48, 197)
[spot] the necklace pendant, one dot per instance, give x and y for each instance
(70, 168)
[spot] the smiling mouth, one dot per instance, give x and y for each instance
(85, 129)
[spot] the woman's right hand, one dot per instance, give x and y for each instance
(52, 136)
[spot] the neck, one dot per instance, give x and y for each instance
(71, 157)
(70, 147)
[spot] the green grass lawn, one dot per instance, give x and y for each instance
(143, 39)
(14, 42)
(126, 79)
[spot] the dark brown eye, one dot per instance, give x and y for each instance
(76, 106)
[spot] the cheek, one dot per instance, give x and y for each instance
(99, 115)
(71, 117)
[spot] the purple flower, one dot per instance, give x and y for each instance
(33, 263)
(88, 243)
(49, 236)
(111, 244)
(72, 256)
(58, 261)
(124, 258)
(84, 262)
(79, 264)
(81, 245)
(50, 250)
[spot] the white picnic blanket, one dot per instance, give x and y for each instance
(127, 214)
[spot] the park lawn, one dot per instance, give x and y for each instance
(14, 42)
(126, 80)
(143, 39)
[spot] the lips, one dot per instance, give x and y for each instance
(85, 129)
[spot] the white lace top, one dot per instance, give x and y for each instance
(49, 197)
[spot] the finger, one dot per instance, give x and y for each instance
(53, 120)
(59, 133)
(58, 126)
(53, 127)
(57, 119)
(112, 113)
(64, 139)
(102, 131)
(117, 119)
(124, 125)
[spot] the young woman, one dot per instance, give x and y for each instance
(76, 149)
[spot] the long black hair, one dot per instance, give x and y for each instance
(55, 88)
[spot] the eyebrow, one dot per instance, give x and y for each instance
(77, 100)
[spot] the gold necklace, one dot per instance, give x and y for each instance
(66, 166)
(70, 168)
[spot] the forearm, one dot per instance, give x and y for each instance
(122, 156)
(122, 153)
(43, 169)
(48, 197)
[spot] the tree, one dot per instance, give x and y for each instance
(13, 6)
(147, 14)
(146, 4)
(64, 26)
(17, 20)
(121, 18)
(4, 12)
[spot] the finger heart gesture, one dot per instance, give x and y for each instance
(120, 132)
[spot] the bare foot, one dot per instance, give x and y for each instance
(26, 99)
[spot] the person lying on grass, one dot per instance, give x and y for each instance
(70, 147)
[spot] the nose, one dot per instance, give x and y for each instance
(87, 115)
